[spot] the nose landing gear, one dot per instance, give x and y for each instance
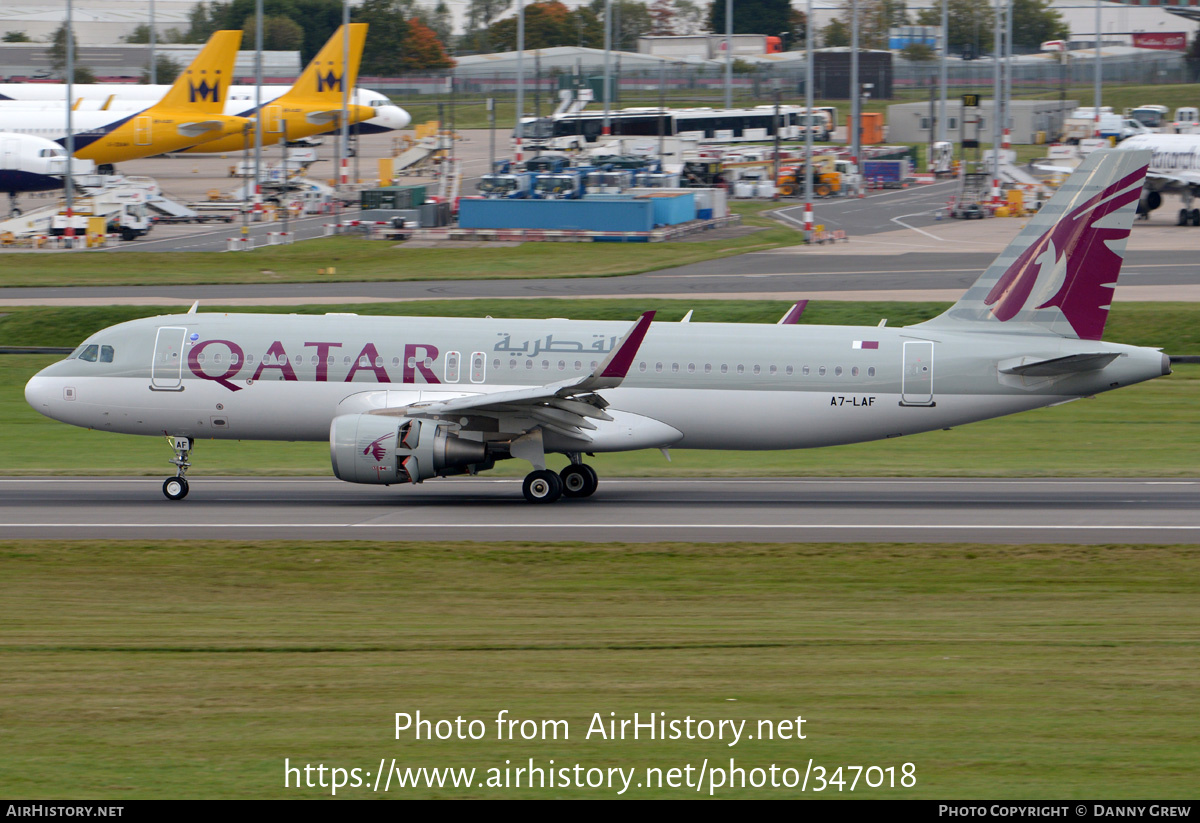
(176, 488)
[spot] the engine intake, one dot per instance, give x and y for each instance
(370, 448)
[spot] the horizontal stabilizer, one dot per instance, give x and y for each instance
(1058, 366)
(320, 118)
(199, 127)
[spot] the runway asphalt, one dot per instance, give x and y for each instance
(626, 510)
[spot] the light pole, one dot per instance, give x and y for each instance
(69, 183)
(728, 54)
(520, 75)
(1008, 79)
(1097, 70)
(153, 59)
(342, 144)
(607, 130)
(997, 107)
(855, 107)
(259, 124)
(808, 132)
(941, 131)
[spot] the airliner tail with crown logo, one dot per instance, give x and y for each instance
(314, 103)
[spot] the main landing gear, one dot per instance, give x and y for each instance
(575, 481)
(176, 488)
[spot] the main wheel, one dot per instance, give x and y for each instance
(1196, 217)
(542, 486)
(579, 480)
(1183, 217)
(175, 488)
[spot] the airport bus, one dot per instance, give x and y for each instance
(705, 124)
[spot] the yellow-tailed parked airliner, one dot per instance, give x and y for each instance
(190, 113)
(313, 105)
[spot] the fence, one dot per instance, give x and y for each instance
(705, 85)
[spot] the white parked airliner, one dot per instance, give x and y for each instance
(1174, 169)
(406, 399)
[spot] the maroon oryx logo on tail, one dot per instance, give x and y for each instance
(375, 448)
(1077, 268)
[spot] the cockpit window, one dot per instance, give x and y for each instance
(89, 353)
(106, 354)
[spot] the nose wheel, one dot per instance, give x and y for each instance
(176, 488)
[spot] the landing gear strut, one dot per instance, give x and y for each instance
(176, 488)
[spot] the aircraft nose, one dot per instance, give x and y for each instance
(396, 117)
(40, 393)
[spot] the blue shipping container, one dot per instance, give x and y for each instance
(562, 215)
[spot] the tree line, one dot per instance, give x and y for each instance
(408, 35)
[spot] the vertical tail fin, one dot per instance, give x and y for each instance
(1058, 275)
(331, 70)
(201, 87)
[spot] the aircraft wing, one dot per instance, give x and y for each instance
(198, 127)
(1159, 181)
(567, 406)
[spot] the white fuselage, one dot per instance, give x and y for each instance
(30, 163)
(240, 101)
(704, 386)
(1170, 153)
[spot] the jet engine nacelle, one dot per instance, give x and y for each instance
(1149, 201)
(371, 448)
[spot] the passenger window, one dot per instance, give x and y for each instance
(805, 371)
(106, 354)
(724, 368)
(870, 371)
(788, 371)
(757, 370)
(642, 366)
(741, 369)
(837, 371)
(821, 371)
(854, 372)
(89, 354)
